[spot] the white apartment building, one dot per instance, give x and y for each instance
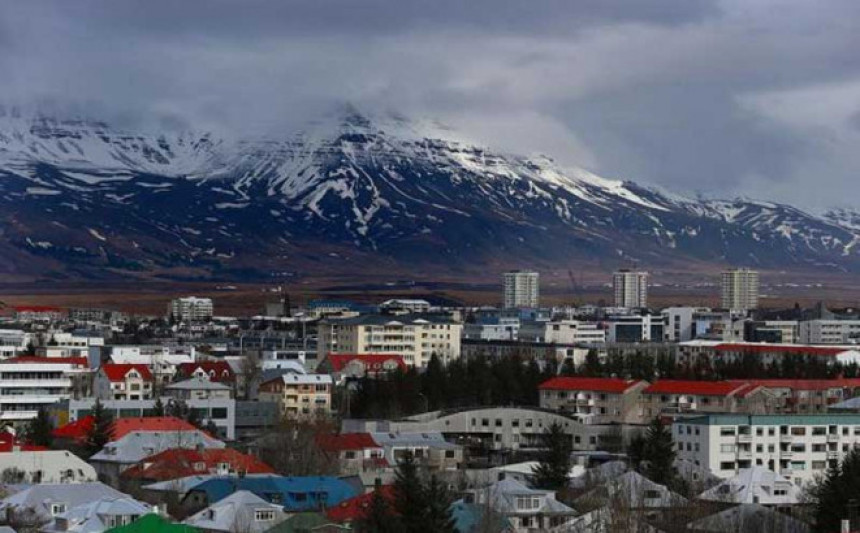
(740, 289)
(416, 338)
(829, 332)
(190, 309)
(407, 305)
(62, 344)
(521, 289)
(504, 329)
(28, 383)
(681, 322)
(562, 332)
(797, 447)
(123, 382)
(630, 289)
(13, 342)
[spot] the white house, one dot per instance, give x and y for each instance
(755, 485)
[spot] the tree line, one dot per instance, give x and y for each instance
(473, 382)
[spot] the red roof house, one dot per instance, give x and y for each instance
(77, 430)
(355, 508)
(607, 385)
(177, 463)
(360, 365)
(115, 372)
(346, 442)
(696, 388)
(219, 371)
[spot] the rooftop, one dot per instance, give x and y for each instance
(611, 385)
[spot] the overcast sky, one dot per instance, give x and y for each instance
(736, 97)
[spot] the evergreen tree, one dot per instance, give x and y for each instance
(836, 493)
(211, 428)
(654, 455)
(433, 381)
(553, 465)
(378, 518)
(158, 408)
(39, 431)
(438, 517)
(409, 498)
(592, 367)
(101, 431)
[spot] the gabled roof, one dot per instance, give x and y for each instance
(373, 361)
(216, 370)
(116, 372)
(633, 489)
(700, 388)
(748, 517)
(754, 485)
(610, 385)
(303, 379)
(181, 462)
(92, 516)
(804, 384)
(197, 383)
(124, 426)
(138, 445)
(353, 509)
(346, 441)
(76, 429)
(39, 497)
(236, 513)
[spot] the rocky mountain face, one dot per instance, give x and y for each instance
(351, 195)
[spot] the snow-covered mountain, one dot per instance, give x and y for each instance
(348, 194)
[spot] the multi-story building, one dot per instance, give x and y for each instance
(594, 400)
(681, 323)
(772, 331)
(30, 383)
(38, 313)
(635, 328)
(496, 329)
(740, 289)
(562, 332)
(798, 447)
(830, 332)
(299, 395)
(521, 289)
(14, 342)
(62, 344)
(123, 382)
(190, 309)
(630, 289)
(671, 397)
(802, 396)
(711, 352)
(414, 337)
(406, 305)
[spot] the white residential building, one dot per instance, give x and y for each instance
(562, 332)
(162, 360)
(406, 305)
(62, 344)
(755, 485)
(528, 510)
(46, 466)
(13, 342)
(740, 289)
(797, 447)
(190, 309)
(521, 289)
(830, 332)
(28, 383)
(502, 329)
(414, 337)
(630, 289)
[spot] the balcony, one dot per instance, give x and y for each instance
(786, 438)
(833, 437)
(786, 453)
(744, 454)
(744, 438)
(833, 455)
(786, 473)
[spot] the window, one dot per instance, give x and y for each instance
(652, 494)
(449, 454)
(349, 454)
(727, 465)
(727, 448)
(57, 508)
(798, 431)
(264, 515)
(219, 413)
(727, 431)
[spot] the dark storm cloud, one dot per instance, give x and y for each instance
(724, 97)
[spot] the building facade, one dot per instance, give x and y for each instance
(594, 400)
(414, 337)
(190, 309)
(798, 447)
(521, 289)
(299, 395)
(740, 287)
(630, 289)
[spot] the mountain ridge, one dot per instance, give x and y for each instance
(83, 200)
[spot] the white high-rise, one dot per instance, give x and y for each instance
(631, 289)
(740, 289)
(522, 289)
(190, 308)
